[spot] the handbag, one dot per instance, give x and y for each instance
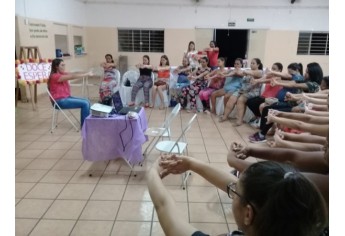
(128, 83)
(160, 83)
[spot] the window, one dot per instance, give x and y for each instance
(141, 40)
(313, 43)
(61, 44)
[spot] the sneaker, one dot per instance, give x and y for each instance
(235, 173)
(252, 120)
(255, 138)
(256, 123)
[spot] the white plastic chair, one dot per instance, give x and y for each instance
(56, 110)
(177, 147)
(161, 132)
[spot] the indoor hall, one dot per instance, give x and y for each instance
(54, 194)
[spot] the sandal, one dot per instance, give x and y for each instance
(221, 119)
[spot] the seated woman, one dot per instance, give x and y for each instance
(246, 92)
(232, 84)
(183, 72)
(109, 62)
(314, 165)
(144, 81)
(60, 90)
(216, 82)
(199, 83)
(308, 83)
(109, 83)
(256, 104)
(265, 190)
(162, 82)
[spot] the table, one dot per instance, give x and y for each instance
(114, 137)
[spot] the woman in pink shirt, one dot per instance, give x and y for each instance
(60, 90)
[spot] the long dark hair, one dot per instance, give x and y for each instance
(279, 65)
(258, 61)
(286, 203)
(296, 67)
(166, 58)
(55, 64)
(147, 57)
(240, 60)
(191, 42)
(315, 72)
(109, 55)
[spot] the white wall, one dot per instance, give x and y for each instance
(62, 11)
(268, 14)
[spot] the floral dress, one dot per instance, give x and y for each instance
(192, 90)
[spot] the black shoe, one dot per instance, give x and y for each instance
(235, 173)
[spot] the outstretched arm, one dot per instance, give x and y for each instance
(279, 74)
(304, 161)
(303, 138)
(169, 218)
(300, 116)
(72, 76)
(180, 164)
(317, 129)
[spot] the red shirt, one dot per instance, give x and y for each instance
(57, 89)
(270, 92)
(213, 57)
(163, 74)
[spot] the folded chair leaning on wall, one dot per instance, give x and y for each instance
(56, 110)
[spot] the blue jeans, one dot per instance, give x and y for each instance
(75, 102)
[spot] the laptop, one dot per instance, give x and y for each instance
(125, 110)
(119, 108)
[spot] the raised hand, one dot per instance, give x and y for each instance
(240, 150)
(172, 164)
(273, 82)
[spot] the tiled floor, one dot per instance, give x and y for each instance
(55, 195)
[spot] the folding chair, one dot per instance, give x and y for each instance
(56, 109)
(177, 147)
(161, 132)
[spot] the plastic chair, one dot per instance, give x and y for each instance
(177, 147)
(125, 92)
(161, 132)
(56, 109)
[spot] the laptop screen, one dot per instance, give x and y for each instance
(117, 102)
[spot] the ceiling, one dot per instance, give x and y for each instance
(278, 4)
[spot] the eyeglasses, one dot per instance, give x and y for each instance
(231, 189)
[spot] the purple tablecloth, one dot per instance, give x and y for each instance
(114, 137)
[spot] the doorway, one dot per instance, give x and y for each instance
(232, 44)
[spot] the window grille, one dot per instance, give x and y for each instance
(140, 40)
